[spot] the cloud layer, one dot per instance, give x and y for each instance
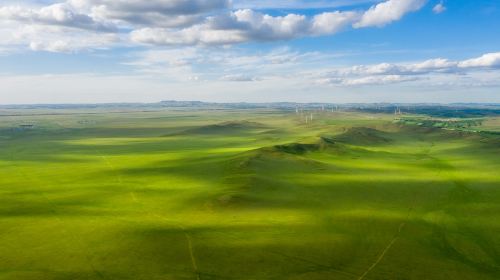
(281, 74)
(61, 14)
(310, 68)
(180, 22)
(246, 26)
(388, 73)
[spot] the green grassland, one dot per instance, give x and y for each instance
(246, 194)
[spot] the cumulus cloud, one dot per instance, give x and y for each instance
(389, 73)
(190, 36)
(100, 15)
(187, 22)
(247, 25)
(167, 7)
(61, 14)
(490, 60)
(388, 12)
(94, 18)
(439, 65)
(425, 67)
(163, 13)
(333, 22)
(54, 38)
(59, 27)
(436, 65)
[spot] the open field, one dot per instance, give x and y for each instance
(246, 194)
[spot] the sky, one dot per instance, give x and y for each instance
(339, 51)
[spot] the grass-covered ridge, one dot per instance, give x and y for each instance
(246, 194)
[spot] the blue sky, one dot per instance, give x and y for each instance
(93, 51)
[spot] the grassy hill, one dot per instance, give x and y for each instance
(246, 194)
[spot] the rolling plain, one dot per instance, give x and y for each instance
(246, 194)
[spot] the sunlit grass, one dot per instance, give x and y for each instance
(137, 195)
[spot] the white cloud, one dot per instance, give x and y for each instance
(153, 13)
(237, 27)
(307, 69)
(390, 73)
(57, 46)
(333, 22)
(166, 7)
(238, 78)
(151, 18)
(388, 12)
(57, 27)
(247, 25)
(429, 66)
(112, 20)
(60, 14)
(490, 60)
(439, 8)
(276, 75)
(59, 38)
(439, 65)
(377, 80)
(190, 36)
(221, 63)
(181, 22)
